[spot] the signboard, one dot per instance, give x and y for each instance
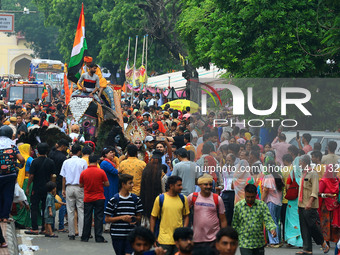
(7, 23)
(43, 65)
(56, 66)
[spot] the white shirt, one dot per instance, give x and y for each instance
(72, 169)
(228, 178)
(151, 102)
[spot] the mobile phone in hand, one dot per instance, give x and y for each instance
(297, 135)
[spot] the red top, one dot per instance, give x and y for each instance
(93, 178)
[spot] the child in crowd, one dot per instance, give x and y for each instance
(50, 211)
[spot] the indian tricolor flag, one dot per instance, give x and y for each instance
(78, 51)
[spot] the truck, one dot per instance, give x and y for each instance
(47, 71)
(28, 92)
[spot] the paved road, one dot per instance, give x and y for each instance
(63, 246)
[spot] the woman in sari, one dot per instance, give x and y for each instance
(23, 215)
(329, 206)
(241, 178)
(111, 171)
(292, 225)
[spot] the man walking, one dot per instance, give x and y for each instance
(308, 208)
(133, 166)
(93, 180)
(172, 209)
(41, 171)
(73, 193)
(331, 158)
(186, 170)
(208, 207)
(228, 193)
(250, 215)
(123, 211)
(280, 146)
(58, 155)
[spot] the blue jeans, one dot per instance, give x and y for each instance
(275, 211)
(62, 211)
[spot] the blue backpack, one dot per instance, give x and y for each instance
(116, 197)
(161, 202)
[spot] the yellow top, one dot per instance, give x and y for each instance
(171, 218)
(134, 167)
(285, 174)
(25, 150)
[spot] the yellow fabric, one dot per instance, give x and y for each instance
(86, 157)
(247, 136)
(320, 169)
(134, 167)
(171, 218)
(205, 178)
(25, 150)
(285, 174)
(57, 205)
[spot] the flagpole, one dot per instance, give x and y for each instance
(146, 59)
(134, 61)
(146, 54)
(143, 50)
(128, 56)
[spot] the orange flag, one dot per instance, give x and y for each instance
(67, 90)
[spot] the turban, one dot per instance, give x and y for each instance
(12, 119)
(204, 179)
(36, 118)
(88, 59)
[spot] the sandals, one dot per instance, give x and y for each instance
(31, 232)
(4, 245)
(51, 236)
(326, 249)
(303, 253)
(63, 230)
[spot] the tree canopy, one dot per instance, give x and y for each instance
(257, 38)
(42, 39)
(108, 25)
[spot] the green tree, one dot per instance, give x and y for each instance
(108, 25)
(256, 38)
(266, 39)
(41, 39)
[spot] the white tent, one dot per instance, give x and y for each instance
(178, 82)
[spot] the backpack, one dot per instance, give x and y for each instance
(116, 197)
(215, 196)
(161, 202)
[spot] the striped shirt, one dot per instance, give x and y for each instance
(126, 206)
(90, 82)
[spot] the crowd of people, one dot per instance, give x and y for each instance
(181, 183)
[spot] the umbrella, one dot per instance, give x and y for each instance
(181, 104)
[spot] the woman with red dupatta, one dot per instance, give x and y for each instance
(329, 207)
(210, 167)
(111, 172)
